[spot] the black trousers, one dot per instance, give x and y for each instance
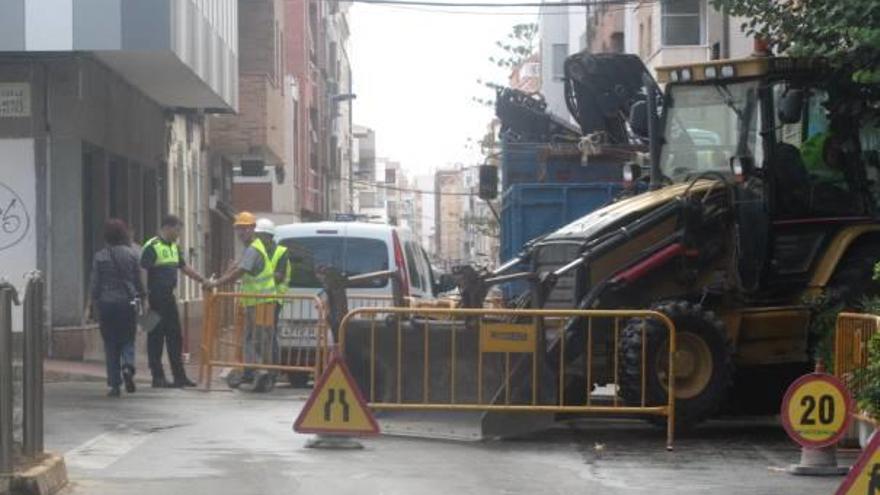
(167, 333)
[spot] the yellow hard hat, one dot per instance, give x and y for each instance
(245, 218)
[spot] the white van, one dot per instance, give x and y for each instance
(354, 248)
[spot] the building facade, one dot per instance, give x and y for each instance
(94, 97)
(682, 31)
(449, 216)
(318, 58)
(253, 140)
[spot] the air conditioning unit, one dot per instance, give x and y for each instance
(253, 168)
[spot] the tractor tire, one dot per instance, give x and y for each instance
(704, 366)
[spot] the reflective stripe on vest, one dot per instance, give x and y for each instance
(262, 283)
(166, 255)
(280, 251)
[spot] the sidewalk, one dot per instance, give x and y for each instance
(56, 370)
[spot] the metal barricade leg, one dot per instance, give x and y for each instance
(6, 382)
(33, 368)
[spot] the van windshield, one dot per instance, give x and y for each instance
(349, 255)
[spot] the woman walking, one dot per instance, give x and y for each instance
(117, 290)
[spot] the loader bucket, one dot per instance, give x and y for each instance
(429, 379)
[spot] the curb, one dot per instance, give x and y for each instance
(45, 478)
(66, 376)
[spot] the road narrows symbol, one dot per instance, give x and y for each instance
(336, 406)
(344, 404)
(331, 399)
(328, 405)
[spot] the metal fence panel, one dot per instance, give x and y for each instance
(289, 334)
(498, 360)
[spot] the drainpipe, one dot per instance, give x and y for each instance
(725, 36)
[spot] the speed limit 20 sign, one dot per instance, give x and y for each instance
(816, 410)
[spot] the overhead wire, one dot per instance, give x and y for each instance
(438, 3)
(611, 8)
(379, 185)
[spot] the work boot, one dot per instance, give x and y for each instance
(128, 378)
(182, 383)
(159, 382)
(114, 392)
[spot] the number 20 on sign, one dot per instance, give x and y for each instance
(816, 410)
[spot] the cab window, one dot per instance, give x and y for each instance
(808, 158)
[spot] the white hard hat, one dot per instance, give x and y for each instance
(265, 226)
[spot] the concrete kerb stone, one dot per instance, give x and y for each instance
(46, 477)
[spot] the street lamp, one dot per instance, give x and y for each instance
(342, 97)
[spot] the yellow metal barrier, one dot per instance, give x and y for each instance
(409, 337)
(853, 333)
(289, 335)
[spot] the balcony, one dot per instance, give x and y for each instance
(176, 52)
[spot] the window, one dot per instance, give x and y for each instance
(560, 51)
(350, 255)
(617, 42)
(415, 279)
(706, 127)
(682, 22)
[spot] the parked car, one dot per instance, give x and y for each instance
(353, 248)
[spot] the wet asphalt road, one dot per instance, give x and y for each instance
(236, 443)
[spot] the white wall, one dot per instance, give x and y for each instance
(186, 189)
(18, 214)
(552, 29)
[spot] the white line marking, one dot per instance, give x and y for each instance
(105, 449)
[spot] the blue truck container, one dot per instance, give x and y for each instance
(531, 210)
(533, 163)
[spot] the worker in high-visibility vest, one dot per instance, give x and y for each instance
(257, 276)
(277, 253)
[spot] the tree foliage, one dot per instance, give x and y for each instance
(519, 44)
(517, 47)
(847, 32)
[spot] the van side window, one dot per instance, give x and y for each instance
(415, 278)
(428, 270)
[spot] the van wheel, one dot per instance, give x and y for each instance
(298, 380)
(703, 364)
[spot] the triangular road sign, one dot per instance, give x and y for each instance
(336, 406)
(864, 477)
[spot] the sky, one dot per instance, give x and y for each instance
(415, 72)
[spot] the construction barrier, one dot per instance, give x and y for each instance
(851, 339)
(503, 360)
(282, 334)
